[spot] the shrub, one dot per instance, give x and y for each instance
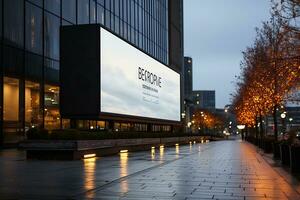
(37, 134)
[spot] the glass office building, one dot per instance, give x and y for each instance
(30, 51)
(204, 99)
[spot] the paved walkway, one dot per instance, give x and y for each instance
(216, 170)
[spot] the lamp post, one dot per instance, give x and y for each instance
(241, 127)
(283, 116)
(290, 123)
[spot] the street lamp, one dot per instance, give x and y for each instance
(182, 115)
(241, 127)
(283, 116)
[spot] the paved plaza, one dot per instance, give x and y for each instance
(216, 170)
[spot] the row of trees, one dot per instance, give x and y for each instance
(206, 121)
(270, 69)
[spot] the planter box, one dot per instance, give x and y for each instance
(276, 150)
(76, 149)
(285, 154)
(294, 159)
(267, 146)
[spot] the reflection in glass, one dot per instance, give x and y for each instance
(51, 38)
(89, 176)
(124, 171)
(34, 28)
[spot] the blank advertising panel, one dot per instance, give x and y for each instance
(134, 84)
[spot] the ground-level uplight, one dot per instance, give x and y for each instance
(89, 155)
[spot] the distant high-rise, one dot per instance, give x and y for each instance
(188, 77)
(204, 99)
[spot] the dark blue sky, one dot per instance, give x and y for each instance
(215, 34)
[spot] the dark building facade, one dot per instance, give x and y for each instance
(204, 99)
(187, 74)
(30, 52)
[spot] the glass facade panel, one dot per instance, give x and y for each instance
(53, 6)
(32, 105)
(69, 10)
(52, 116)
(100, 14)
(51, 38)
(11, 99)
(83, 11)
(93, 13)
(34, 29)
(14, 22)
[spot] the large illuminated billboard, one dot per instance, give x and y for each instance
(133, 83)
(104, 77)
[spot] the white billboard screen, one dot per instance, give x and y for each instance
(133, 83)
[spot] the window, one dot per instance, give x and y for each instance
(117, 6)
(11, 99)
(33, 66)
(83, 11)
(1, 11)
(107, 19)
(117, 25)
(100, 14)
(13, 22)
(92, 12)
(34, 29)
(52, 116)
(32, 105)
(69, 10)
(51, 36)
(53, 6)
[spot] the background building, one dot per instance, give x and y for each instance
(30, 55)
(187, 75)
(204, 99)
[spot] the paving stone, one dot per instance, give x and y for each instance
(217, 170)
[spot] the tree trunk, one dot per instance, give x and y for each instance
(275, 122)
(261, 130)
(256, 131)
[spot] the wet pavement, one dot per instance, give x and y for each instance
(216, 170)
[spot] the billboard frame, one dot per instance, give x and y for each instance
(113, 116)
